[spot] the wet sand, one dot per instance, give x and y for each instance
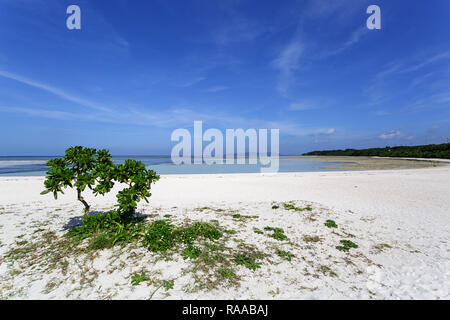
(372, 163)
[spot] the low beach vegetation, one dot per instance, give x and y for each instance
(346, 245)
(82, 168)
(441, 151)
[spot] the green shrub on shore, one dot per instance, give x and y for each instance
(137, 278)
(108, 224)
(277, 234)
(346, 245)
(246, 261)
(191, 252)
(290, 206)
(331, 224)
(160, 236)
(286, 255)
(82, 168)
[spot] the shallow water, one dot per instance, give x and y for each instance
(36, 166)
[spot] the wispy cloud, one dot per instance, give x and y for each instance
(237, 30)
(60, 93)
(406, 76)
(354, 38)
(327, 132)
(191, 82)
(301, 106)
(338, 9)
(216, 89)
(287, 62)
(42, 113)
(411, 64)
(390, 135)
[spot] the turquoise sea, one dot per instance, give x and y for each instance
(36, 166)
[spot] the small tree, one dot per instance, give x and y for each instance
(80, 168)
(85, 167)
(139, 180)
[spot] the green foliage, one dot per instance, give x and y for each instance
(331, 224)
(110, 226)
(200, 229)
(137, 278)
(95, 223)
(225, 272)
(278, 233)
(139, 180)
(275, 207)
(256, 230)
(83, 168)
(242, 217)
(441, 151)
(246, 261)
(191, 252)
(290, 206)
(168, 284)
(160, 236)
(286, 255)
(101, 241)
(76, 169)
(346, 245)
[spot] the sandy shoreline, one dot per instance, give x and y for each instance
(399, 219)
(374, 163)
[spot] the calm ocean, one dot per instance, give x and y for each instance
(35, 166)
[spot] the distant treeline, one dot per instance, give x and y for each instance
(427, 151)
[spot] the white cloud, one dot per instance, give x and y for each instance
(390, 135)
(216, 89)
(301, 106)
(327, 132)
(191, 82)
(287, 62)
(53, 90)
(236, 30)
(382, 113)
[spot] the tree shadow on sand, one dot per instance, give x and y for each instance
(78, 220)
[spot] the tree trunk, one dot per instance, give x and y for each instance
(80, 198)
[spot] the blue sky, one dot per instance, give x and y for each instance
(137, 70)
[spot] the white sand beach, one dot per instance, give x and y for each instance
(398, 218)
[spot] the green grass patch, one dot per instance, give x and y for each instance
(256, 230)
(246, 261)
(137, 278)
(277, 234)
(346, 245)
(160, 236)
(101, 241)
(290, 206)
(331, 224)
(168, 284)
(241, 217)
(286, 255)
(191, 252)
(225, 273)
